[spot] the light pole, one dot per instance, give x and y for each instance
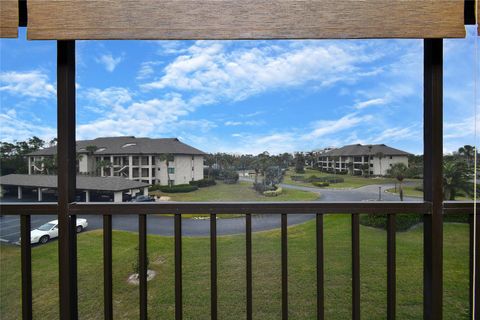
(379, 193)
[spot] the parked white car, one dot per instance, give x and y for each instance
(49, 231)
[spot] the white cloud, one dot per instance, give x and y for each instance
(243, 123)
(33, 84)
(397, 134)
(328, 127)
(147, 69)
(13, 128)
(124, 116)
(218, 72)
(109, 97)
(369, 103)
(109, 61)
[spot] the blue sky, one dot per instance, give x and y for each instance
(240, 96)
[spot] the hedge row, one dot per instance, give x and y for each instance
(405, 221)
(313, 178)
(180, 188)
(321, 184)
(273, 193)
(203, 183)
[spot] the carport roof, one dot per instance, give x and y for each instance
(83, 182)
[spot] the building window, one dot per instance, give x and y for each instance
(144, 161)
(357, 159)
(391, 157)
(144, 172)
(371, 165)
(116, 161)
(135, 161)
(125, 161)
(153, 160)
(153, 172)
(135, 172)
(171, 170)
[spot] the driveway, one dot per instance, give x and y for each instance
(159, 225)
(163, 225)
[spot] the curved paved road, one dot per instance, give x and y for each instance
(161, 225)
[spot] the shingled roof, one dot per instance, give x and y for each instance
(128, 145)
(83, 182)
(364, 150)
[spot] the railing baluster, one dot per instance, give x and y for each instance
(248, 244)
(178, 267)
(142, 263)
(391, 266)
(213, 266)
(26, 267)
(320, 269)
(474, 283)
(107, 267)
(284, 268)
(355, 267)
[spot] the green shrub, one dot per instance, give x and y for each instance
(230, 176)
(332, 179)
(203, 183)
(273, 193)
(297, 178)
(403, 221)
(180, 188)
(261, 188)
(321, 184)
(406, 221)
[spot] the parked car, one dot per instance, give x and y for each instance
(143, 198)
(49, 231)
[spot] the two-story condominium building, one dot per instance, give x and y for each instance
(153, 161)
(374, 159)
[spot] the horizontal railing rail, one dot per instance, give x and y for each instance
(135, 208)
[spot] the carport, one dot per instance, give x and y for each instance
(87, 184)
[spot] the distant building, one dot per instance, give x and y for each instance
(359, 159)
(152, 161)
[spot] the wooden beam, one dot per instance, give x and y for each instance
(8, 18)
(245, 19)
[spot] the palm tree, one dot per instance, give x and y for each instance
(468, 152)
(334, 160)
(91, 149)
(102, 164)
(380, 155)
(48, 165)
(209, 161)
(349, 166)
(398, 171)
(455, 177)
(167, 157)
(369, 158)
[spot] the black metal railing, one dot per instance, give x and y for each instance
(25, 210)
(284, 209)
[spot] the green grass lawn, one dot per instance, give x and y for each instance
(349, 180)
(241, 191)
(410, 191)
(231, 275)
